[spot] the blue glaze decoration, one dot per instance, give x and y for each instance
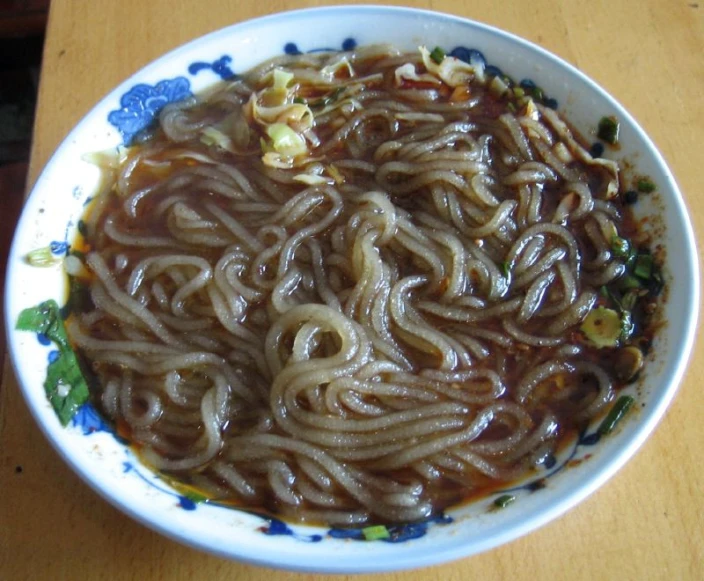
(494, 71)
(596, 150)
(89, 420)
(550, 461)
(469, 55)
(221, 67)
(590, 440)
(551, 466)
(291, 48)
(43, 339)
(397, 533)
(59, 248)
(274, 527)
(349, 44)
(186, 503)
(53, 356)
(183, 501)
(550, 102)
(142, 103)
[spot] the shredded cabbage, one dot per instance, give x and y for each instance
(212, 136)
(408, 72)
(452, 71)
(285, 140)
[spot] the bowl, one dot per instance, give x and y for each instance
(52, 217)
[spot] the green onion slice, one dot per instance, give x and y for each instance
(645, 186)
(437, 55)
(644, 266)
(608, 130)
(504, 501)
(376, 533)
(615, 415)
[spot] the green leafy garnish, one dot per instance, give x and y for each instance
(645, 186)
(437, 55)
(64, 385)
(504, 501)
(608, 130)
(376, 533)
(615, 415)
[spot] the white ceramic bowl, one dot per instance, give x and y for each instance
(51, 217)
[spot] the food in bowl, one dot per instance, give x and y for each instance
(360, 287)
(95, 448)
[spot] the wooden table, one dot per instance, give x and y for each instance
(646, 523)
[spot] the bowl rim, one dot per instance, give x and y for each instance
(441, 554)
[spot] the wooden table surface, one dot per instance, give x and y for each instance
(646, 523)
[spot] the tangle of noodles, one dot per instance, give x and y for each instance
(347, 288)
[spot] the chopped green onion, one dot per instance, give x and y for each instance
(437, 54)
(608, 130)
(644, 266)
(376, 533)
(615, 415)
(518, 92)
(629, 300)
(42, 257)
(645, 186)
(511, 107)
(627, 326)
(632, 256)
(629, 282)
(506, 269)
(79, 297)
(504, 501)
(538, 94)
(299, 100)
(620, 247)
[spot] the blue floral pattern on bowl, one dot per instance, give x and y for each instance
(142, 103)
(221, 67)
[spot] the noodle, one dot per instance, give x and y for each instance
(341, 289)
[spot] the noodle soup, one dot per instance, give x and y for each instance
(360, 287)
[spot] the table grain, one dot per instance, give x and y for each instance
(645, 523)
